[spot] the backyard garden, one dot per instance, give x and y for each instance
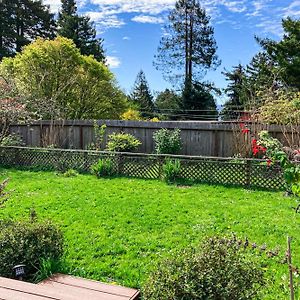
(168, 194)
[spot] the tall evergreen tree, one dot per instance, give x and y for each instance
(21, 21)
(235, 93)
(285, 53)
(188, 49)
(80, 29)
(141, 95)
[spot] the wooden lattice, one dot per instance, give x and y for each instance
(247, 173)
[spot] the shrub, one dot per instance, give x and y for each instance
(131, 115)
(70, 173)
(167, 141)
(28, 243)
(103, 168)
(218, 269)
(99, 133)
(122, 142)
(171, 170)
(12, 139)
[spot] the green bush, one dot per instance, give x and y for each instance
(122, 142)
(70, 173)
(103, 168)
(171, 170)
(219, 269)
(28, 243)
(167, 141)
(13, 139)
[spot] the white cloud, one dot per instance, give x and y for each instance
(54, 5)
(126, 38)
(113, 62)
(148, 19)
(293, 10)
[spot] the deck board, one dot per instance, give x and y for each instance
(64, 287)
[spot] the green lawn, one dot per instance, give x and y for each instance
(116, 229)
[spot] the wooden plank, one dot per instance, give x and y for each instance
(76, 292)
(92, 285)
(7, 294)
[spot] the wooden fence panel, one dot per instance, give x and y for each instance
(199, 138)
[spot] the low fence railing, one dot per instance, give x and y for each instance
(248, 173)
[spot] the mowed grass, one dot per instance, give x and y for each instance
(118, 229)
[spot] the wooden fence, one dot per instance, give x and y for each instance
(247, 173)
(199, 138)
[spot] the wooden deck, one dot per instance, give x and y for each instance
(64, 287)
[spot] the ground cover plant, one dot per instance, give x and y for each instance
(119, 229)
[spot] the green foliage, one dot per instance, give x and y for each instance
(99, 133)
(272, 145)
(60, 83)
(235, 93)
(141, 95)
(198, 102)
(21, 22)
(291, 171)
(131, 115)
(168, 100)
(12, 139)
(48, 267)
(79, 29)
(189, 48)
(122, 142)
(218, 269)
(171, 170)
(281, 107)
(167, 141)
(103, 168)
(70, 173)
(28, 243)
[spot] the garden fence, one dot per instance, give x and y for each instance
(239, 172)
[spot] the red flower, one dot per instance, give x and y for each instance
(245, 130)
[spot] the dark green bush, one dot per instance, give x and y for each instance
(28, 243)
(103, 168)
(171, 170)
(167, 141)
(220, 269)
(122, 142)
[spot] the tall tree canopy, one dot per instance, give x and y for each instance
(286, 53)
(188, 48)
(21, 21)
(79, 29)
(141, 95)
(60, 83)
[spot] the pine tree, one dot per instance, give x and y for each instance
(235, 93)
(188, 49)
(22, 21)
(80, 29)
(141, 95)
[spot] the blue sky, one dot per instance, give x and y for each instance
(132, 30)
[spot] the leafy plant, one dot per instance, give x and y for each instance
(70, 173)
(28, 243)
(12, 139)
(103, 168)
(167, 141)
(131, 115)
(122, 142)
(99, 133)
(219, 269)
(171, 170)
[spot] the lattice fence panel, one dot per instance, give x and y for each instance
(140, 167)
(215, 171)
